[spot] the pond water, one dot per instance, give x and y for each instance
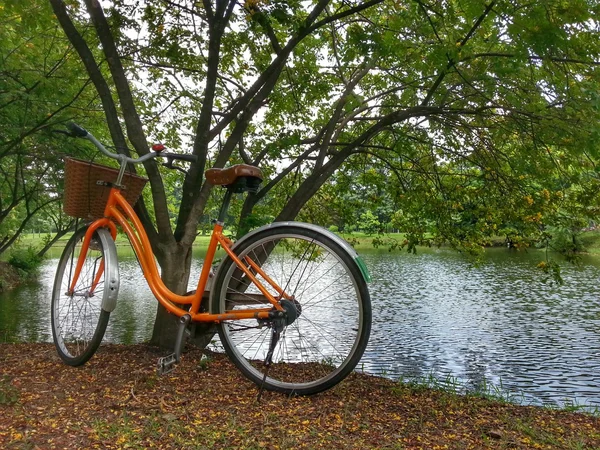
(434, 314)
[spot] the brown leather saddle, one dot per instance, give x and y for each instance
(239, 178)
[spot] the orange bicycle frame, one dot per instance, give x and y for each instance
(120, 211)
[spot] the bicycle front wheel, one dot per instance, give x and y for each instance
(78, 320)
(332, 309)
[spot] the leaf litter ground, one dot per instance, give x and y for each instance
(117, 401)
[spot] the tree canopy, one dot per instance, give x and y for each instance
(465, 119)
(41, 85)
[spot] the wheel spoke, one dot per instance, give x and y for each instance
(323, 344)
(78, 322)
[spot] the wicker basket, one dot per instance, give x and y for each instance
(84, 198)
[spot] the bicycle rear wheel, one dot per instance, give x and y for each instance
(331, 303)
(78, 320)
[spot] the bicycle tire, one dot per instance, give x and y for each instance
(327, 339)
(78, 321)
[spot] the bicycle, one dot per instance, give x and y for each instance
(289, 299)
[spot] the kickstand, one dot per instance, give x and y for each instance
(275, 334)
(167, 363)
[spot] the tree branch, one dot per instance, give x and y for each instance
(111, 114)
(452, 62)
(134, 127)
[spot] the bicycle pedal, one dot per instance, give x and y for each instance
(166, 364)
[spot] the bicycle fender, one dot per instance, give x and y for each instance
(111, 269)
(318, 229)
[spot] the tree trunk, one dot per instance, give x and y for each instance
(175, 263)
(247, 207)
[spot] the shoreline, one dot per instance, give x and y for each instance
(117, 401)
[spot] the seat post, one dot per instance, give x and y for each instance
(225, 205)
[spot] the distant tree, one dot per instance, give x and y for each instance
(369, 223)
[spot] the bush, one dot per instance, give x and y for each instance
(9, 276)
(565, 241)
(26, 260)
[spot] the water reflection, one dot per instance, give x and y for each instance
(25, 311)
(433, 314)
(494, 323)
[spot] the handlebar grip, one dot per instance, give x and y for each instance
(76, 130)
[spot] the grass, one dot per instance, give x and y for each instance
(360, 241)
(451, 385)
(591, 241)
(485, 390)
(571, 405)
(9, 395)
(36, 240)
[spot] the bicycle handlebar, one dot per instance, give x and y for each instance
(77, 131)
